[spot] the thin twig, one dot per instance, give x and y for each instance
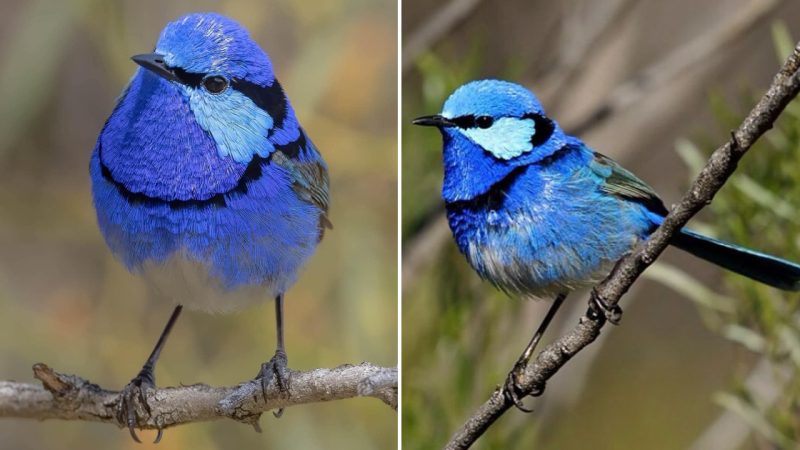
(785, 87)
(69, 397)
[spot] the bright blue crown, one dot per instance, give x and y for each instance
(494, 98)
(210, 43)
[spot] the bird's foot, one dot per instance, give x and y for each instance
(512, 389)
(276, 371)
(133, 402)
(599, 309)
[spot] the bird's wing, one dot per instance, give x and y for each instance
(310, 178)
(622, 183)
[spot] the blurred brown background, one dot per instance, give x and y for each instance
(65, 301)
(636, 79)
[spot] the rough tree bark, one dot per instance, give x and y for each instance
(785, 87)
(69, 397)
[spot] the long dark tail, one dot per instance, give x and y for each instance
(761, 267)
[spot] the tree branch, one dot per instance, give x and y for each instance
(69, 397)
(785, 87)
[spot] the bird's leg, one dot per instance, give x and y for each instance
(512, 388)
(277, 367)
(146, 379)
(599, 309)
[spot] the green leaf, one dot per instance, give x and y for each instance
(765, 198)
(746, 337)
(782, 39)
(689, 287)
(691, 155)
(755, 418)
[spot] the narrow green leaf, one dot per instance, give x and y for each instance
(782, 39)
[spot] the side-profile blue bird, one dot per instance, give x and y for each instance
(538, 213)
(205, 184)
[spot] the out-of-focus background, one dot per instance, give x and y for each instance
(702, 360)
(65, 301)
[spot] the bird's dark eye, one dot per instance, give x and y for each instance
(215, 84)
(484, 121)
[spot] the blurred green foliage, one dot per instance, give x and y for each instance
(760, 208)
(65, 301)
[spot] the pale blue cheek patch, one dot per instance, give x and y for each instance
(507, 138)
(238, 126)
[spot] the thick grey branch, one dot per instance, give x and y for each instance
(785, 87)
(69, 397)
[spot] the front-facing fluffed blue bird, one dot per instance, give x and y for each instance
(205, 184)
(537, 212)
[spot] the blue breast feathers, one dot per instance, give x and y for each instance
(166, 141)
(260, 234)
(547, 228)
(470, 170)
(153, 145)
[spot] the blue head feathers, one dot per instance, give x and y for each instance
(209, 43)
(491, 127)
(204, 104)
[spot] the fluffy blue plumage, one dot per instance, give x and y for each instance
(537, 232)
(205, 183)
(537, 212)
(211, 195)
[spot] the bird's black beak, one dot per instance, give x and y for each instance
(155, 63)
(433, 121)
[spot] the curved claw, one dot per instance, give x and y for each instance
(511, 390)
(133, 433)
(127, 412)
(514, 398)
(277, 369)
(265, 383)
(599, 309)
(126, 408)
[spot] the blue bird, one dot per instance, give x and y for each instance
(205, 184)
(538, 213)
